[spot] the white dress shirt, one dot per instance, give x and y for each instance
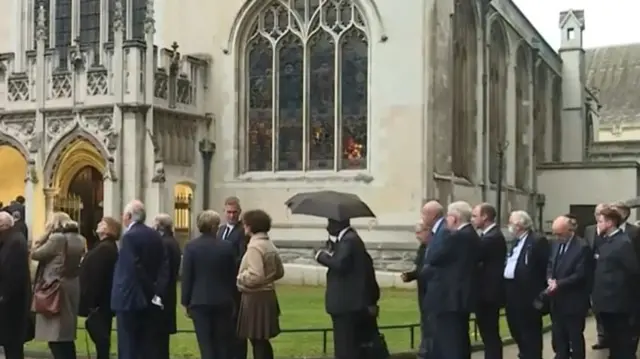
(437, 225)
(489, 227)
(228, 230)
(512, 260)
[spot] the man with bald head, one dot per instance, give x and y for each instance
(568, 288)
(140, 279)
(15, 288)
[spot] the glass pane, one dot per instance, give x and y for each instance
(112, 6)
(354, 83)
(260, 129)
(63, 30)
(90, 24)
(290, 94)
(46, 5)
(139, 12)
(322, 54)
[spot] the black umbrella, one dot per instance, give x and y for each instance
(329, 204)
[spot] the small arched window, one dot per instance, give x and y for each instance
(305, 87)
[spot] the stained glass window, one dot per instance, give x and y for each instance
(90, 25)
(63, 31)
(112, 7)
(306, 90)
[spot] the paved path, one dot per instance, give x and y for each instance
(511, 351)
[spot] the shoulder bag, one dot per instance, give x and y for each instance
(46, 295)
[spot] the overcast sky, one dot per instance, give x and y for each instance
(608, 22)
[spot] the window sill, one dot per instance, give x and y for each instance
(315, 176)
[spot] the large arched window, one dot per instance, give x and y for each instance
(498, 55)
(556, 131)
(305, 87)
(90, 26)
(138, 15)
(465, 76)
(522, 118)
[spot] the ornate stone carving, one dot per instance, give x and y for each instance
(118, 16)
(23, 130)
(56, 128)
(110, 170)
(149, 21)
(41, 24)
(100, 126)
(32, 173)
(155, 145)
(159, 175)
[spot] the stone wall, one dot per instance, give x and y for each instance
(388, 257)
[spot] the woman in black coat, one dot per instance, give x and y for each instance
(96, 277)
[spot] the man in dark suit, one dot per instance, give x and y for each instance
(139, 280)
(349, 292)
(164, 225)
(593, 238)
(232, 231)
(449, 268)
(209, 288)
(490, 280)
(568, 289)
(525, 276)
(422, 235)
(15, 289)
(616, 281)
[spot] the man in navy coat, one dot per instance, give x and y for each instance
(140, 277)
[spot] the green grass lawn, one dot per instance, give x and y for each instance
(302, 308)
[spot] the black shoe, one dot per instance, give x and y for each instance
(599, 346)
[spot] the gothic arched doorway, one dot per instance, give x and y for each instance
(86, 186)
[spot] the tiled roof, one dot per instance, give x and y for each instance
(614, 73)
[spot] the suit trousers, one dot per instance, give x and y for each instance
(13, 351)
(214, 330)
(348, 335)
(98, 326)
(619, 335)
(488, 324)
(63, 350)
(600, 330)
(567, 332)
(138, 333)
(450, 335)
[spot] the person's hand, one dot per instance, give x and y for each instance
(405, 277)
(552, 285)
(318, 253)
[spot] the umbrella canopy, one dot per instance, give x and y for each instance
(633, 202)
(334, 205)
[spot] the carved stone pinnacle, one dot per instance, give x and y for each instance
(149, 19)
(118, 16)
(41, 24)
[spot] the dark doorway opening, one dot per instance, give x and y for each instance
(87, 185)
(584, 215)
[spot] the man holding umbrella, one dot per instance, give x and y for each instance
(351, 291)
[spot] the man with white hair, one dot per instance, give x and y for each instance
(139, 280)
(15, 289)
(450, 268)
(525, 275)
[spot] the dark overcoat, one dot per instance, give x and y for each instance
(15, 287)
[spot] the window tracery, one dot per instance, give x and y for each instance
(556, 133)
(498, 55)
(540, 111)
(90, 26)
(464, 75)
(306, 87)
(62, 26)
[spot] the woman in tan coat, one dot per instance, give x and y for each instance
(261, 266)
(59, 254)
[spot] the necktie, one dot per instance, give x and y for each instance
(563, 247)
(225, 234)
(515, 244)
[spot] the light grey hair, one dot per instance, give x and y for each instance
(6, 221)
(208, 221)
(461, 210)
(523, 219)
(135, 208)
(164, 223)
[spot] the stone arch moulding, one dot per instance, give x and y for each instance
(496, 19)
(8, 140)
(520, 44)
(249, 8)
(88, 151)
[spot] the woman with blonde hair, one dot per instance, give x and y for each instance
(57, 288)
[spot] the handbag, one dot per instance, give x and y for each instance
(46, 295)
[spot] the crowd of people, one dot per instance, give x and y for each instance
(465, 266)
(227, 280)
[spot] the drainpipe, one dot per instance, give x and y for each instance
(207, 150)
